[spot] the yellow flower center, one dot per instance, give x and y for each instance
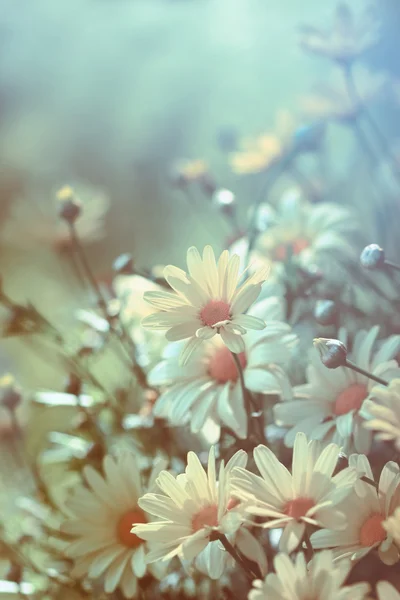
(350, 399)
(125, 524)
(298, 507)
(206, 517)
(222, 367)
(371, 531)
(214, 312)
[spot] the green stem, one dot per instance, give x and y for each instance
(235, 554)
(354, 367)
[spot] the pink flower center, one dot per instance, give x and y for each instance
(371, 531)
(206, 517)
(125, 524)
(298, 507)
(350, 399)
(222, 367)
(214, 312)
(283, 251)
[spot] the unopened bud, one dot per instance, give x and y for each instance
(325, 312)
(224, 200)
(123, 265)
(333, 353)
(372, 257)
(69, 206)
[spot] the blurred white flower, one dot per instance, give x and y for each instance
(392, 526)
(192, 507)
(328, 406)
(35, 219)
(365, 510)
(101, 520)
(208, 300)
(322, 579)
(310, 495)
(382, 412)
(209, 387)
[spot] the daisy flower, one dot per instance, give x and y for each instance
(262, 152)
(382, 412)
(308, 495)
(365, 511)
(207, 300)
(322, 579)
(349, 37)
(386, 591)
(296, 229)
(193, 507)
(101, 520)
(331, 100)
(328, 406)
(209, 387)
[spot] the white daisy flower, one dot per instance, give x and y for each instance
(209, 387)
(101, 520)
(386, 591)
(208, 300)
(194, 507)
(383, 412)
(328, 406)
(365, 511)
(322, 579)
(308, 495)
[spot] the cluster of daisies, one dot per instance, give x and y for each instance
(225, 371)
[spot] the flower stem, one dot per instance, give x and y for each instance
(235, 554)
(354, 367)
(380, 137)
(370, 481)
(248, 400)
(392, 265)
(120, 332)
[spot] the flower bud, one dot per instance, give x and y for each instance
(372, 257)
(325, 312)
(224, 200)
(123, 265)
(333, 353)
(69, 206)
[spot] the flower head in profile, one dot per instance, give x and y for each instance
(330, 406)
(382, 412)
(308, 495)
(193, 508)
(209, 387)
(101, 519)
(322, 579)
(208, 300)
(349, 37)
(331, 100)
(366, 510)
(262, 152)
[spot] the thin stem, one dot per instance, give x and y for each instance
(121, 333)
(303, 181)
(370, 481)
(392, 265)
(235, 554)
(248, 400)
(267, 184)
(354, 367)
(380, 137)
